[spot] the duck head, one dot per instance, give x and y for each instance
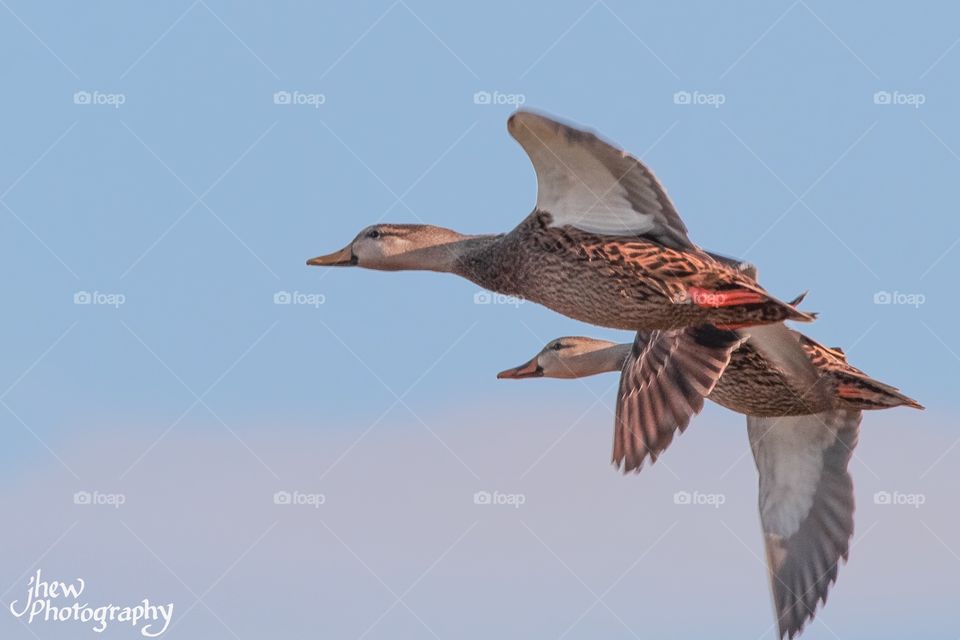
(397, 247)
(571, 357)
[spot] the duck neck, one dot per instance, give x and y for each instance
(600, 361)
(445, 256)
(477, 259)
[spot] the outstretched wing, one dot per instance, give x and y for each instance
(589, 184)
(806, 506)
(662, 385)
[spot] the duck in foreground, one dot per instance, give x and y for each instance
(806, 492)
(605, 245)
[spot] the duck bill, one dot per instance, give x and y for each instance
(342, 258)
(527, 370)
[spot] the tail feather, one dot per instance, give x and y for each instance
(796, 301)
(875, 394)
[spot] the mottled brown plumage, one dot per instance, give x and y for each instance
(750, 386)
(622, 282)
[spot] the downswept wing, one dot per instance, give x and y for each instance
(806, 506)
(663, 383)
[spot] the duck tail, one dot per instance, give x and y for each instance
(795, 314)
(873, 394)
(744, 303)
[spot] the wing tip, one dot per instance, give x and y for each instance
(527, 118)
(626, 465)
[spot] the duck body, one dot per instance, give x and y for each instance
(751, 386)
(620, 282)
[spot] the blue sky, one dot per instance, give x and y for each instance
(153, 166)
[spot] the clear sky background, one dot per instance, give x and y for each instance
(147, 161)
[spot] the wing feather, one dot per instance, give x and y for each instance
(587, 183)
(806, 506)
(662, 385)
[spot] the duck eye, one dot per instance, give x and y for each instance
(557, 346)
(373, 233)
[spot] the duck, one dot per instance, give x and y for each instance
(605, 245)
(801, 451)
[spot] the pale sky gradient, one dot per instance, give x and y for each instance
(198, 199)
